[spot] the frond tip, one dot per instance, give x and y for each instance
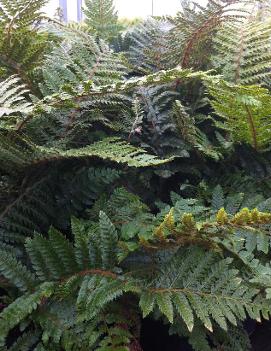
(108, 149)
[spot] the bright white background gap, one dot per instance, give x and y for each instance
(143, 8)
(125, 8)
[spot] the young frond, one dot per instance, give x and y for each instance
(245, 110)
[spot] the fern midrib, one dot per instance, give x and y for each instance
(239, 57)
(189, 46)
(203, 294)
(100, 272)
(252, 127)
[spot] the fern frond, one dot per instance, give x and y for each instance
(244, 109)
(219, 296)
(29, 210)
(79, 58)
(22, 13)
(193, 27)
(12, 98)
(148, 46)
(26, 341)
(111, 149)
(81, 239)
(72, 96)
(52, 259)
(33, 207)
(102, 18)
(186, 230)
(189, 132)
(17, 311)
(16, 273)
(243, 52)
(100, 291)
(109, 240)
(22, 44)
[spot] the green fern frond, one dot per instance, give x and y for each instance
(31, 209)
(15, 272)
(79, 58)
(189, 132)
(72, 96)
(53, 258)
(22, 43)
(34, 206)
(102, 18)
(17, 311)
(12, 99)
(219, 296)
(218, 199)
(243, 52)
(111, 149)
(27, 341)
(81, 238)
(109, 241)
(148, 46)
(22, 13)
(244, 109)
(193, 27)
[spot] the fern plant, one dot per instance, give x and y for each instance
(93, 271)
(111, 148)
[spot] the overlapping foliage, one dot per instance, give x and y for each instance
(134, 177)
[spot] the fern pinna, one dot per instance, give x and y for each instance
(134, 178)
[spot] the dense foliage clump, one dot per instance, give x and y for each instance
(134, 176)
